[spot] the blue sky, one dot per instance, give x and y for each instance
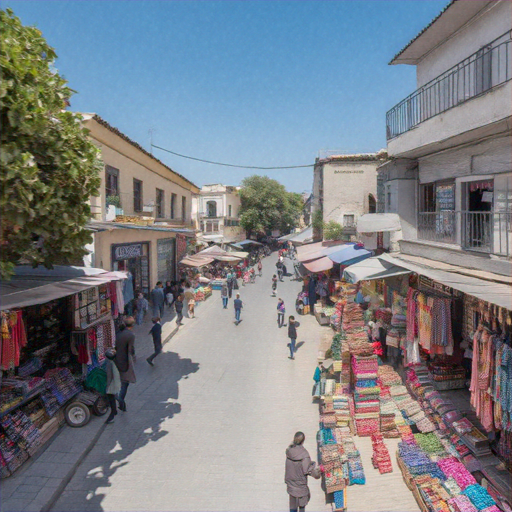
(265, 83)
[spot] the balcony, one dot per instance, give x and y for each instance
(485, 232)
(478, 74)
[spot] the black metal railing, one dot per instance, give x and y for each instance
(477, 74)
(488, 232)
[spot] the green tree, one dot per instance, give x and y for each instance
(266, 205)
(49, 167)
(333, 230)
(317, 222)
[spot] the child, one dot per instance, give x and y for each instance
(156, 332)
(113, 383)
(292, 334)
(317, 377)
(178, 305)
(274, 285)
(280, 313)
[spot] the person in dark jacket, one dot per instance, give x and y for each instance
(292, 334)
(178, 306)
(297, 469)
(156, 333)
(113, 383)
(125, 359)
(238, 304)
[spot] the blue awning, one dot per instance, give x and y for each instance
(349, 254)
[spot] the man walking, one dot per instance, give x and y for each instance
(224, 295)
(292, 334)
(238, 308)
(298, 467)
(274, 285)
(280, 313)
(125, 359)
(156, 333)
(158, 299)
(229, 282)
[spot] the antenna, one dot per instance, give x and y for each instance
(151, 131)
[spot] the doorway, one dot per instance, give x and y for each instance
(478, 215)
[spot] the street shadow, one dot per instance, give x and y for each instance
(299, 345)
(151, 402)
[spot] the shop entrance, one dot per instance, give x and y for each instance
(133, 258)
(477, 219)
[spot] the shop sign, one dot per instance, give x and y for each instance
(125, 252)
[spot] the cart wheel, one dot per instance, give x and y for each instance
(77, 414)
(101, 406)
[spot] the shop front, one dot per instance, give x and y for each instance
(133, 258)
(52, 355)
(166, 259)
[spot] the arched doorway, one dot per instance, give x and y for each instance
(211, 208)
(372, 204)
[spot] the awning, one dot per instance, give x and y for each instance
(350, 254)
(29, 286)
(319, 265)
(212, 251)
(248, 242)
(303, 237)
(372, 268)
(307, 249)
(192, 261)
(284, 238)
(321, 252)
(377, 222)
(228, 257)
(238, 254)
(488, 291)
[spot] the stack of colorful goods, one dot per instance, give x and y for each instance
(341, 406)
(380, 458)
(366, 394)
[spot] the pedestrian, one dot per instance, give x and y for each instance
(158, 299)
(224, 294)
(238, 308)
(178, 306)
(229, 282)
(317, 377)
(169, 293)
(297, 469)
(125, 359)
(280, 313)
(113, 383)
(279, 267)
(260, 268)
(156, 333)
(189, 296)
(292, 334)
(274, 285)
(142, 306)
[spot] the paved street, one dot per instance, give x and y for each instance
(207, 427)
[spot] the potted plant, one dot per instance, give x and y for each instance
(115, 201)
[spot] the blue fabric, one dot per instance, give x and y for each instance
(292, 346)
(128, 289)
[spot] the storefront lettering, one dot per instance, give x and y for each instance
(124, 252)
(348, 172)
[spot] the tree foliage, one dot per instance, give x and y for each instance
(317, 222)
(332, 230)
(266, 205)
(49, 167)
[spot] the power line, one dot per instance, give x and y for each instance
(232, 165)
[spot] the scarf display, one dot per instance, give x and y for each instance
(14, 338)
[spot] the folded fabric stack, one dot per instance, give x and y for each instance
(366, 394)
(462, 503)
(20, 429)
(330, 385)
(384, 314)
(380, 458)
(429, 443)
(62, 384)
(399, 321)
(341, 405)
(479, 496)
(451, 467)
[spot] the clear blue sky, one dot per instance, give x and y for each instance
(266, 83)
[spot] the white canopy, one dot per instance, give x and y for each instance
(372, 268)
(378, 222)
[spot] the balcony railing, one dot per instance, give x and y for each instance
(487, 232)
(479, 73)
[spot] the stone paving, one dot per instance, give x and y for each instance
(207, 427)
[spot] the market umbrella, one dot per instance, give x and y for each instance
(193, 261)
(320, 252)
(319, 265)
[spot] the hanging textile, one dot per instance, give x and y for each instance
(14, 338)
(441, 327)
(424, 321)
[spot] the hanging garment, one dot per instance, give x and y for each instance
(424, 321)
(441, 330)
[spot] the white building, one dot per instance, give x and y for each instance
(345, 187)
(216, 211)
(449, 141)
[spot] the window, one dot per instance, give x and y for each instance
(229, 211)
(184, 208)
(212, 226)
(137, 195)
(111, 181)
(428, 197)
(372, 204)
(174, 198)
(211, 208)
(348, 221)
(160, 205)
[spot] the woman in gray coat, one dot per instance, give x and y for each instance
(298, 467)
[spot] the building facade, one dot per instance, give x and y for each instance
(141, 219)
(216, 212)
(345, 187)
(449, 141)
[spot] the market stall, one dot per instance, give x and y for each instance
(52, 354)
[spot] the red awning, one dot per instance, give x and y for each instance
(320, 265)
